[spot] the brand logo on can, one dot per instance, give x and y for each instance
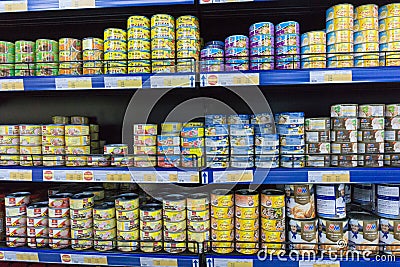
(308, 227)
(334, 228)
(302, 190)
(370, 227)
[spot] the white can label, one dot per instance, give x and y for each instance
(388, 200)
(331, 201)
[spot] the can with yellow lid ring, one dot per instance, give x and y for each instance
(75, 161)
(366, 11)
(222, 212)
(138, 22)
(174, 216)
(91, 43)
(127, 215)
(198, 202)
(26, 150)
(188, 54)
(222, 224)
(139, 54)
(366, 61)
(7, 70)
(94, 67)
(366, 36)
(139, 45)
(199, 226)
(164, 66)
(340, 61)
(163, 20)
(115, 55)
(273, 241)
(114, 33)
(163, 54)
(7, 160)
(196, 241)
(391, 23)
(366, 24)
(250, 241)
(338, 24)
(196, 216)
(127, 225)
(340, 48)
(175, 247)
(69, 44)
(163, 43)
(115, 45)
(390, 10)
(162, 32)
(187, 21)
(81, 223)
(247, 213)
(138, 34)
(83, 140)
(46, 45)
(150, 246)
(81, 214)
(187, 44)
(313, 38)
(9, 150)
(92, 55)
(341, 10)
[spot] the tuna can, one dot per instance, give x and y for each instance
(104, 211)
(330, 232)
(114, 34)
(344, 110)
(390, 10)
(114, 45)
(216, 130)
(338, 24)
(178, 243)
(174, 216)
(261, 64)
(59, 233)
(39, 209)
(392, 110)
(138, 34)
(75, 161)
(340, 61)
(287, 27)
(274, 242)
(150, 212)
(69, 44)
(236, 64)
(17, 199)
(162, 20)
(94, 67)
(362, 194)
(388, 236)
(377, 123)
(90, 55)
(104, 245)
(58, 243)
(127, 246)
(91, 43)
(246, 212)
(222, 224)
(348, 123)
(16, 221)
(366, 36)
(273, 199)
(34, 242)
(317, 124)
(339, 48)
(300, 201)
(344, 136)
(151, 226)
(79, 244)
(376, 136)
(249, 239)
(53, 140)
(81, 214)
(291, 39)
(302, 232)
(344, 161)
(222, 198)
(261, 28)
(58, 212)
(262, 40)
(109, 234)
(59, 222)
(127, 215)
(218, 235)
(138, 22)
(222, 212)
(128, 235)
(262, 53)
(198, 216)
(30, 140)
(7, 70)
(363, 230)
(370, 23)
(387, 197)
(150, 241)
(344, 148)
(129, 201)
(344, 36)
(366, 11)
(291, 129)
(238, 41)
(46, 69)
(331, 202)
(246, 224)
(338, 11)
(389, 36)
(197, 202)
(81, 224)
(45, 45)
(14, 242)
(127, 225)
(198, 226)
(273, 224)
(24, 47)
(246, 198)
(389, 24)
(313, 38)
(51, 161)
(196, 241)
(37, 231)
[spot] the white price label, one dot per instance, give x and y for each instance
(68, 175)
(329, 176)
(233, 263)
(172, 81)
(73, 83)
(12, 84)
(21, 256)
(319, 263)
(66, 4)
(331, 76)
(230, 79)
(83, 259)
(188, 177)
(158, 262)
(233, 176)
(123, 82)
(13, 6)
(15, 175)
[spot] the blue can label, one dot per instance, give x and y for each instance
(216, 130)
(292, 140)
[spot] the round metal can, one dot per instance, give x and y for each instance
(114, 34)
(343, 36)
(366, 24)
(70, 56)
(128, 235)
(127, 215)
(16, 221)
(196, 241)
(7, 70)
(75, 161)
(59, 243)
(154, 245)
(104, 211)
(151, 212)
(91, 43)
(247, 213)
(79, 244)
(338, 24)
(69, 44)
(388, 230)
(46, 69)
(247, 224)
(17, 199)
(363, 230)
(391, 23)
(265, 40)
(81, 214)
(114, 45)
(390, 10)
(238, 41)
(300, 201)
(198, 226)
(313, 50)
(330, 232)
(42, 231)
(24, 47)
(344, 110)
(261, 28)
(246, 198)
(386, 205)
(14, 242)
(7, 47)
(366, 36)
(274, 242)
(187, 21)
(197, 216)
(109, 234)
(273, 224)
(30, 140)
(45, 45)
(128, 201)
(27, 129)
(127, 225)
(162, 20)
(389, 36)
(139, 45)
(127, 246)
(174, 216)
(174, 202)
(331, 202)
(114, 55)
(52, 130)
(59, 232)
(250, 239)
(273, 198)
(303, 235)
(187, 33)
(222, 224)
(138, 22)
(93, 55)
(338, 11)
(162, 32)
(198, 202)
(339, 48)
(39, 209)
(7, 58)
(152, 226)
(218, 235)
(137, 33)
(59, 222)
(116, 149)
(291, 39)
(366, 11)
(222, 212)
(287, 27)
(34, 242)
(81, 224)
(104, 245)
(222, 198)
(137, 55)
(58, 212)
(25, 58)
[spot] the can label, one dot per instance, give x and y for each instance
(331, 201)
(222, 212)
(299, 201)
(330, 232)
(303, 232)
(363, 232)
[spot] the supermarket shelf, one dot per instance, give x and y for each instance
(98, 82)
(68, 256)
(298, 77)
(301, 175)
(286, 261)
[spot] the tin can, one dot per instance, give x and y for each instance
(69, 44)
(114, 46)
(196, 241)
(17, 199)
(145, 129)
(391, 23)
(91, 55)
(24, 47)
(389, 36)
(197, 216)
(91, 43)
(303, 232)
(109, 234)
(388, 231)
(222, 212)
(222, 198)
(127, 246)
(330, 232)
(250, 239)
(174, 202)
(273, 224)
(34, 242)
(151, 226)
(246, 198)
(45, 45)
(199, 226)
(222, 224)
(59, 233)
(37, 231)
(344, 110)
(370, 23)
(129, 201)
(187, 21)
(114, 34)
(127, 215)
(162, 20)
(390, 10)
(366, 11)
(138, 22)
(191, 33)
(7, 47)
(39, 209)
(16, 221)
(14, 242)
(59, 243)
(218, 235)
(239, 41)
(274, 242)
(130, 225)
(287, 27)
(261, 28)
(94, 67)
(247, 212)
(331, 202)
(338, 11)
(246, 224)
(386, 205)
(197, 202)
(174, 216)
(300, 201)
(58, 212)
(222, 247)
(128, 235)
(313, 38)
(363, 231)
(81, 224)
(7, 70)
(339, 24)
(342, 36)
(59, 222)
(392, 110)
(81, 213)
(272, 198)
(151, 212)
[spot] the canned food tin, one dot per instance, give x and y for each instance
(58, 222)
(70, 44)
(127, 246)
(76, 130)
(344, 110)
(78, 244)
(392, 110)
(217, 235)
(366, 24)
(59, 243)
(291, 39)
(386, 205)
(332, 231)
(287, 27)
(187, 33)
(115, 45)
(30, 140)
(197, 202)
(246, 198)
(114, 33)
(222, 212)
(246, 224)
(151, 212)
(390, 10)
(17, 199)
(34, 242)
(388, 232)
(7, 47)
(151, 226)
(249, 247)
(14, 242)
(104, 224)
(261, 28)
(345, 123)
(162, 20)
(81, 214)
(344, 148)
(139, 45)
(300, 201)
(127, 215)
(313, 38)
(338, 24)
(366, 11)
(174, 216)
(46, 69)
(39, 209)
(9, 129)
(58, 212)
(199, 226)
(89, 55)
(344, 136)
(238, 41)
(37, 231)
(16, 221)
(196, 216)
(187, 21)
(303, 231)
(272, 198)
(338, 11)
(340, 48)
(344, 161)
(130, 225)
(128, 235)
(138, 34)
(366, 36)
(7, 70)
(392, 23)
(331, 201)
(81, 233)
(343, 36)
(392, 123)
(70, 56)
(45, 45)
(366, 61)
(25, 69)
(377, 136)
(246, 212)
(91, 43)
(138, 22)
(267, 40)
(109, 234)
(174, 202)
(222, 224)
(27, 129)
(273, 224)
(313, 50)
(24, 47)
(7, 58)
(59, 233)
(222, 198)
(366, 226)
(129, 201)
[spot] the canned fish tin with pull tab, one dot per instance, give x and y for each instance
(338, 11)
(59, 222)
(363, 232)
(330, 232)
(150, 241)
(222, 212)
(151, 226)
(246, 224)
(151, 212)
(222, 198)
(300, 201)
(129, 225)
(17, 199)
(197, 216)
(301, 233)
(39, 209)
(129, 201)
(249, 239)
(197, 202)
(82, 201)
(127, 215)
(16, 221)
(246, 198)
(81, 214)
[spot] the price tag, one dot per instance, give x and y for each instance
(329, 176)
(95, 260)
(118, 177)
(240, 263)
(172, 81)
(149, 177)
(173, 178)
(63, 4)
(12, 84)
(230, 79)
(22, 175)
(73, 83)
(15, 6)
(74, 176)
(159, 262)
(25, 256)
(319, 264)
(194, 178)
(333, 76)
(246, 79)
(123, 82)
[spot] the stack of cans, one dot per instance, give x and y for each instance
(291, 139)
(7, 59)
(77, 142)
(273, 221)
(151, 227)
(115, 51)
(212, 57)
(127, 210)
(174, 214)
(366, 37)
(104, 226)
(241, 138)
(187, 43)
(70, 55)
(16, 224)
(198, 222)
(169, 150)
(265, 140)
(344, 135)
(237, 53)
(222, 221)
(46, 57)
(163, 43)
(339, 30)
(392, 135)
(38, 222)
(217, 141)
(145, 132)
(118, 154)
(81, 214)
(192, 141)
(25, 58)
(59, 221)
(389, 38)
(371, 135)
(93, 55)
(262, 46)
(30, 145)
(318, 142)
(53, 139)
(313, 50)
(287, 45)
(9, 145)
(94, 130)
(247, 221)
(139, 44)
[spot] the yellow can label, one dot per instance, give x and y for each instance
(150, 236)
(138, 22)
(35, 150)
(139, 55)
(123, 215)
(127, 246)
(340, 48)
(222, 200)
(340, 61)
(247, 213)
(139, 45)
(366, 11)
(139, 34)
(366, 61)
(222, 224)
(162, 20)
(193, 215)
(163, 43)
(75, 130)
(187, 21)
(28, 160)
(246, 224)
(9, 150)
(390, 10)
(188, 44)
(77, 150)
(341, 10)
(115, 45)
(366, 24)
(197, 204)
(103, 214)
(162, 54)
(339, 24)
(174, 236)
(149, 247)
(222, 235)
(199, 226)
(175, 247)
(222, 247)
(114, 33)
(313, 38)
(272, 224)
(389, 24)
(250, 236)
(344, 36)
(162, 32)
(151, 226)
(30, 130)
(9, 130)
(145, 129)
(222, 212)
(187, 33)
(77, 140)
(128, 235)
(174, 216)
(115, 55)
(273, 201)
